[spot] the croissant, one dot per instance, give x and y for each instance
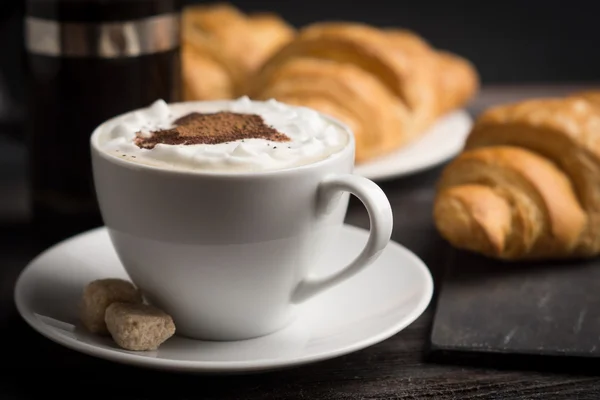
(385, 84)
(527, 184)
(222, 47)
(347, 93)
(267, 33)
(592, 96)
(446, 81)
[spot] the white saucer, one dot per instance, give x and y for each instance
(440, 143)
(370, 307)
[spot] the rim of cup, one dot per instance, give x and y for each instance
(99, 130)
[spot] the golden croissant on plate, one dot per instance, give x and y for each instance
(387, 85)
(221, 47)
(527, 184)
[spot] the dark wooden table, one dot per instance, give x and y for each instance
(398, 368)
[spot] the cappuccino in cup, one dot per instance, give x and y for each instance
(235, 136)
(220, 210)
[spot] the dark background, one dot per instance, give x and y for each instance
(510, 41)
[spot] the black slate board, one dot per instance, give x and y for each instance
(489, 307)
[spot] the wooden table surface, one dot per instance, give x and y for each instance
(398, 368)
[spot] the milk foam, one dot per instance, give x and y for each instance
(313, 138)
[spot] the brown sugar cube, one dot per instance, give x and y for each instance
(138, 327)
(100, 294)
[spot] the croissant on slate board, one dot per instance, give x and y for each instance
(222, 47)
(527, 184)
(387, 85)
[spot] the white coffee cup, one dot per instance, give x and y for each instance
(229, 254)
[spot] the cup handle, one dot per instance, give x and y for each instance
(381, 224)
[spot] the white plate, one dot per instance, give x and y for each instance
(370, 307)
(440, 143)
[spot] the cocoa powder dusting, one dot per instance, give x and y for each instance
(221, 127)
